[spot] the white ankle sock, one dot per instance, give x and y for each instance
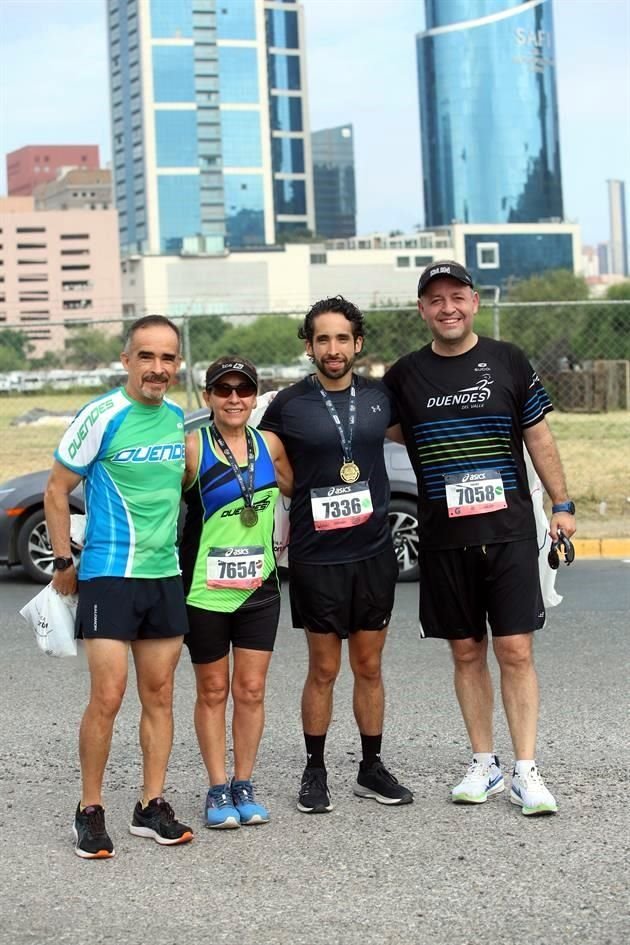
(524, 766)
(484, 757)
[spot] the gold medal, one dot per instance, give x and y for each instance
(248, 516)
(349, 472)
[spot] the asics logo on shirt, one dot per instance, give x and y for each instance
(163, 452)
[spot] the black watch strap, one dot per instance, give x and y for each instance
(62, 564)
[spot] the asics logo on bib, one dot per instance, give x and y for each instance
(150, 454)
(87, 424)
(339, 490)
(235, 552)
(472, 477)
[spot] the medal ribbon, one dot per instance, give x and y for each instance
(346, 438)
(247, 488)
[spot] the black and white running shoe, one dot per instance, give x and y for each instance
(157, 821)
(314, 796)
(376, 782)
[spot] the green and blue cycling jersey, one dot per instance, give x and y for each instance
(132, 459)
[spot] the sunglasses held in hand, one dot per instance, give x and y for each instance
(563, 546)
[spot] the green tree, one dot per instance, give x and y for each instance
(14, 350)
(205, 332)
(269, 339)
(550, 335)
(619, 292)
(49, 359)
(87, 348)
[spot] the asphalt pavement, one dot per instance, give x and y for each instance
(430, 872)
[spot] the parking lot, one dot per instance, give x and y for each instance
(430, 872)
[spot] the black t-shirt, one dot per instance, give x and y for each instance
(464, 414)
(298, 415)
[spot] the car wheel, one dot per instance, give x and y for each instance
(34, 548)
(403, 522)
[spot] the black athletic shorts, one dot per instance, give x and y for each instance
(211, 632)
(115, 608)
(463, 589)
(343, 598)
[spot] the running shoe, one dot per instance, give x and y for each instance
(221, 812)
(157, 821)
(92, 842)
(479, 783)
(530, 793)
(243, 799)
(314, 796)
(376, 782)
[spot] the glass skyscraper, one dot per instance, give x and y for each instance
(333, 179)
(489, 112)
(211, 144)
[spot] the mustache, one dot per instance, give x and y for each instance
(155, 377)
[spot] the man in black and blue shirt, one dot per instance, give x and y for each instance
(467, 406)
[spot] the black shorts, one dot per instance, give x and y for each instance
(211, 632)
(463, 589)
(115, 608)
(344, 598)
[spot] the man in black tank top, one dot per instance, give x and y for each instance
(342, 565)
(467, 406)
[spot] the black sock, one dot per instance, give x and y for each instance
(314, 750)
(371, 748)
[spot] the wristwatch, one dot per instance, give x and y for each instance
(62, 564)
(563, 507)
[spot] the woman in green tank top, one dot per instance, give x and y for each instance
(233, 475)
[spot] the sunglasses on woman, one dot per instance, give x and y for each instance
(244, 389)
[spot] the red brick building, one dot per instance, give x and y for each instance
(38, 163)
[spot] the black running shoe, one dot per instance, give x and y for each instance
(314, 797)
(92, 840)
(377, 783)
(157, 820)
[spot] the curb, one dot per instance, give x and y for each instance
(602, 547)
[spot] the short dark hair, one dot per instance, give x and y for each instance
(147, 321)
(338, 305)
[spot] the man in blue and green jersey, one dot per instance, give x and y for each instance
(128, 448)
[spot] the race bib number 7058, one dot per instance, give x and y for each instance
(474, 493)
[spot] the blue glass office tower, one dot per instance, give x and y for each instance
(489, 112)
(333, 181)
(211, 144)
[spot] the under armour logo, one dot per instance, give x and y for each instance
(375, 408)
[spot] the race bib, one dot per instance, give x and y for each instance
(341, 506)
(474, 493)
(235, 567)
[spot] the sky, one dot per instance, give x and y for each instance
(361, 62)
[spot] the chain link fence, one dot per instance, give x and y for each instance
(581, 351)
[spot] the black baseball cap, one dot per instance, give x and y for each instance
(444, 267)
(223, 366)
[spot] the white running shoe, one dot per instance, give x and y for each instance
(479, 783)
(530, 793)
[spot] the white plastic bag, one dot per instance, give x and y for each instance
(547, 576)
(51, 615)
